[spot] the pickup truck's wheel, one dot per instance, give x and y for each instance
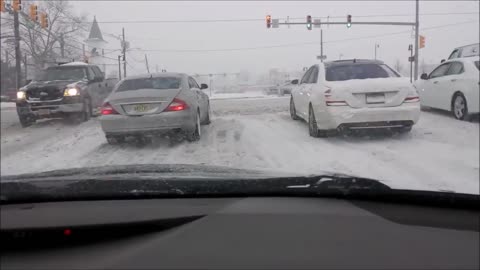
(112, 140)
(85, 114)
(26, 121)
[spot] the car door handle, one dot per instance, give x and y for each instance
(435, 82)
(453, 80)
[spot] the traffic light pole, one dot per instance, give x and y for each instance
(124, 54)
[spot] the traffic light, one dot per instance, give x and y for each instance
(349, 20)
(33, 13)
(44, 20)
(17, 5)
(422, 42)
(309, 22)
(2, 6)
(268, 19)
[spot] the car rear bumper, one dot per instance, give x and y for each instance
(337, 117)
(154, 123)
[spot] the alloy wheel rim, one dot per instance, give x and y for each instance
(459, 107)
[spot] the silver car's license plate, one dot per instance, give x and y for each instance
(375, 98)
(140, 108)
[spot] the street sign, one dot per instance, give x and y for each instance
(321, 57)
(275, 23)
(411, 58)
(317, 23)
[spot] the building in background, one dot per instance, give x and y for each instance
(95, 47)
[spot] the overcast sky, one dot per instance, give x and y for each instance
(231, 35)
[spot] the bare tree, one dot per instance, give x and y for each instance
(44, 45)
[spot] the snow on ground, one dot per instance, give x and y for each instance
(249, 94)
(441, 153)
(7, 105)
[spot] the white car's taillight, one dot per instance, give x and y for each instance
(329, 101)
(412, 96)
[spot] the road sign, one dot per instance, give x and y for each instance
(411, 58)
(317, 23)
(275, 23)
(321, 57)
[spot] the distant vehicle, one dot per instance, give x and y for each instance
(286, 88)
(465, 51)
(354, 94)
(151, 104)
(452, 86)
(70, 90)
(272, 90)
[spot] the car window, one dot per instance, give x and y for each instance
(313, 78)
(97, 71)
(454, 54)
(195, 83)
(439, 71)
(305, 76)
(90, 73)
(192, 83)
(455, 68)
(477, 64)
(160, 83)
(358, 71)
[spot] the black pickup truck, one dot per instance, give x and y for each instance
(71, 90)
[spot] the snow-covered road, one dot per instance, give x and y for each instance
(441, 153)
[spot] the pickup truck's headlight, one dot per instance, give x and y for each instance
(21, 95)
(70, 92)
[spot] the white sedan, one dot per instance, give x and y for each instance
(452, 86)
(354, 94)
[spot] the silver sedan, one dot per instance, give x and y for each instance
(155, 103)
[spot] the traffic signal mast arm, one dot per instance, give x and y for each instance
(344, 23)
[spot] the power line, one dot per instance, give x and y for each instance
(261, 19)
(300, 43)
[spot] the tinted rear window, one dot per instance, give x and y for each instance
(160, 83)
(358, 71)
(476, 64)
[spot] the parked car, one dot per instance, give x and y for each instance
(465, 51)
(452, 86)
(69, 90)
(354, 94)
(152, 104)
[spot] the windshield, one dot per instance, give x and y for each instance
(285, 88)
(64, 73)
(358, 71)
(161, 83)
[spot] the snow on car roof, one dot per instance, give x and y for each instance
(163, 74)
(75, 64)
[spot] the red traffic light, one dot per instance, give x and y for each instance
(268, 19)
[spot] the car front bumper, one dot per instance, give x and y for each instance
(335, 117)
(49, 109)
(118, 124)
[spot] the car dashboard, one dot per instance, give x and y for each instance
(246, 233)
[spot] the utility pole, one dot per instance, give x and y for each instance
(376, 46)
(18, 55)
(146, 63)
(321, 45)
(84, 55)
(124, 54)
(119, 68)
(25, 66)
(62, 46)
(411, 59)
(416, 38)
